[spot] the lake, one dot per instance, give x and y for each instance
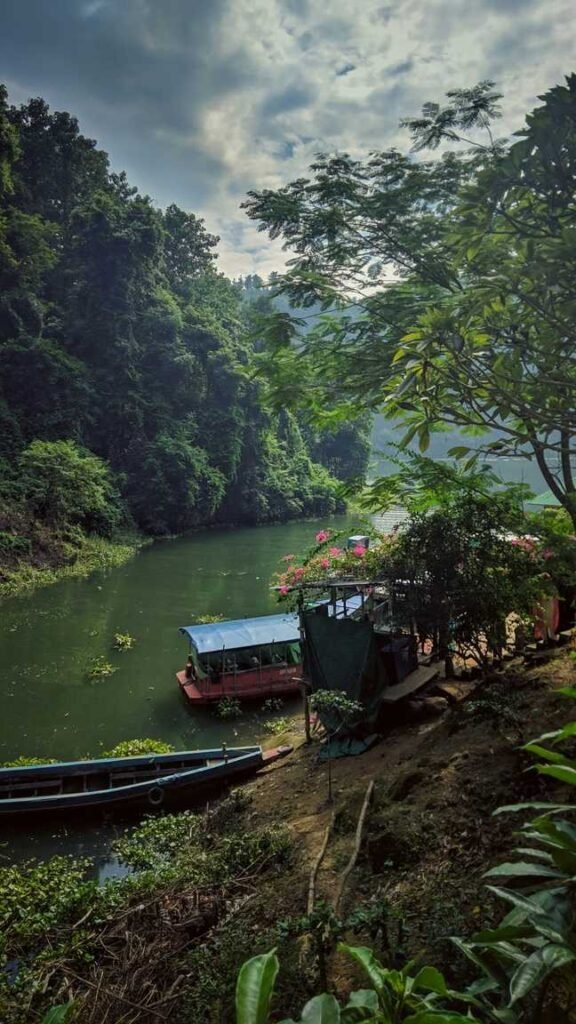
(50, 708)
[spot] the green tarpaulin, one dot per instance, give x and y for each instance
(343, 655)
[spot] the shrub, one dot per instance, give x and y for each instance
(66, 485)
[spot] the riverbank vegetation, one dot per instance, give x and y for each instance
(209, 892)
(125, 396)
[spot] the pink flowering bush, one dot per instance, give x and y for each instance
(327, 561)
(322, 536)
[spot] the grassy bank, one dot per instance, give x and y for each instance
(67, 562)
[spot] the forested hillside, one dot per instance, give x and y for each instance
(124, 392)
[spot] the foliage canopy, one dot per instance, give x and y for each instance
(447, 283)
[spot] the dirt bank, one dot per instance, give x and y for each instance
(430, 833)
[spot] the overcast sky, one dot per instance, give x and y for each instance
(200, 100)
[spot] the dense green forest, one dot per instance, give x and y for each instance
(125, 392)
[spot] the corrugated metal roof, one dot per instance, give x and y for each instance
(238, 633)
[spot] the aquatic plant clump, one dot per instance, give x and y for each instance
(278, 726)
(99, 668)
(123, 642)
(27, 762)
(134, 748)
(228, 707)
(273, 704)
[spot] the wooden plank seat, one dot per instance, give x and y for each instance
(417, 680)
(33, 784)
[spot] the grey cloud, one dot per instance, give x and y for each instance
(298, 7)
(292, 97)
(507, 6)
(139, 73)
(402, 68)
(135, 55)
(345, 70)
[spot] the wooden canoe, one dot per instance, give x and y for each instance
(150, 780)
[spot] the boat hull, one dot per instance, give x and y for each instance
(272, 681)
(135, 782)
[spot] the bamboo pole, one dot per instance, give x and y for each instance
(316, 866)
(357, 844)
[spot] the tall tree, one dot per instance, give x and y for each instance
(121, 343)
(453, 280)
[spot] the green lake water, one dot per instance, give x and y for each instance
(47, 641)
(51, 708)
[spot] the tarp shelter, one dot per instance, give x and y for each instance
(342, 654)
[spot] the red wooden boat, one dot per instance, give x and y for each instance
(242, 658)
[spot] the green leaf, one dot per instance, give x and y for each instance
(565, 733)
(458, 452)
(525, 903)
(365, 998)
(534, 805)
(321, 1010)
(537, 967)
(523, 869)
(567, 691)
(557, 771)
(476, 958)
(365, 957)
(423, 439)
(503, 934)
(529, 974)
(439, 1017)
(548, 755)
(431, 980)
(59, 1014)
(254, 988)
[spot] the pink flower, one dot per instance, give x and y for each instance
(321, 536)
(335, 552)
(325, 563)
(547, 553)
(359, 551)
(284, 590)
(298, 574)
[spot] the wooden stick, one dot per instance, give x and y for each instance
(358, 842)
(316, 866)
(306, 705)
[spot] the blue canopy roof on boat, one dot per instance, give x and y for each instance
(265, 629)
(238, 633)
